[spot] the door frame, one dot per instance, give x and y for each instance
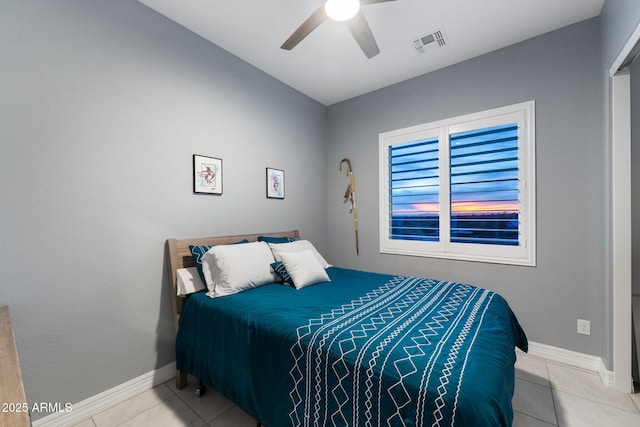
(620, 190)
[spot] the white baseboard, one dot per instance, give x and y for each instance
(105, 400)
(574, 359)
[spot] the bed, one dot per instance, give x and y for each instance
(362, 349)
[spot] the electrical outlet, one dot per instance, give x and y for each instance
(584, 327)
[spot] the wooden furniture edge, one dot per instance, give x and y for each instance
(16, 413)
(180, 257)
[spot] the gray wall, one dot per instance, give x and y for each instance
(102, 105)
(561, 72)
(619, 18)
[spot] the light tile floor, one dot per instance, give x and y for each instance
(547, 394)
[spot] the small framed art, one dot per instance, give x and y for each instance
(207, 175)
(275, 183)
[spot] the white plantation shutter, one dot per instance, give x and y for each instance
(461, 188)
(414, 182)
(484, 185)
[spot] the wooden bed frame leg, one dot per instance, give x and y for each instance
(181, 380)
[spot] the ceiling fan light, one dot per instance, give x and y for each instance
(341, 10)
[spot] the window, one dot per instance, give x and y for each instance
(461, 188)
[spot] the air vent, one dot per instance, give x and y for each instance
(430, 41)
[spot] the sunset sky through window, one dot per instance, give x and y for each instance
(484, 184)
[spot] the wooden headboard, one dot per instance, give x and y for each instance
(180, 257)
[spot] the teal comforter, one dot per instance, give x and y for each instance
(365, 349)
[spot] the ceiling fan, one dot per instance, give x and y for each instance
(340, 10)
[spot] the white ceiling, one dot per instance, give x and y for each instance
(328, 65)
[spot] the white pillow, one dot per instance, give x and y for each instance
(236, 268)
(188, 281)
(304, 268)
(297, 246)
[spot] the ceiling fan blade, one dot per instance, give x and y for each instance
(366, 2)
(312, 22)
(361, 31)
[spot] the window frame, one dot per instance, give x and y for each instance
(523, 254)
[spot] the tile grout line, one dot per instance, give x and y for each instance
(555, 390)
(535, 418)
(183, 398)
(555, 408)
(553, 395)
(175, 393)
(223, 413)
(161, 402)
